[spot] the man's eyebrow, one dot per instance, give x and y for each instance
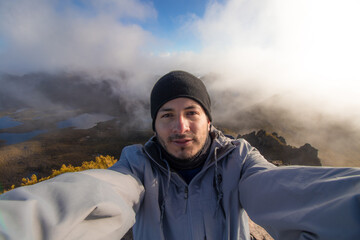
(165, 109)
(191, 107)
(171, 109)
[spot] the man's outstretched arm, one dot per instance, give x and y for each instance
(305, 202)
(93, 204)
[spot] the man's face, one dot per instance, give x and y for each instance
(182, 127)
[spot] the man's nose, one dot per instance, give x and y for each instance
(181, 125)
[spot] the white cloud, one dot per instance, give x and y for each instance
(276, 45)
(42, 36)
(305, 52)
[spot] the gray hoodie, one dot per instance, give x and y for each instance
(289, 202)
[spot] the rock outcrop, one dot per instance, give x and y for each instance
(275, 149)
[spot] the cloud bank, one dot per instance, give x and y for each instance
(296, 59)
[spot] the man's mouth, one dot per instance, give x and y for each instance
(181, 140)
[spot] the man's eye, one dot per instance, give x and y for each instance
(166, 115)
(192, 113)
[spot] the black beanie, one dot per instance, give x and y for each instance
(178, 84)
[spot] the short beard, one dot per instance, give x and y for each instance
(180, 136)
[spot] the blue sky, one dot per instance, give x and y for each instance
(171, 12)
(171, 15)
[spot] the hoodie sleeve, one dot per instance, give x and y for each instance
(303, 202)
(93, 204)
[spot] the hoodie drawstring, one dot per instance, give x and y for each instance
(162, 208)
(218, 180)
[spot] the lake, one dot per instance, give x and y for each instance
(82, 121)
(8, 122)
(13, 138)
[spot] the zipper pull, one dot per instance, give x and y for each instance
(186, 196)
(186, 192)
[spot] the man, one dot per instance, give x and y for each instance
(188, 181)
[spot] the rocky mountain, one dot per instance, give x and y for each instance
(275, 149)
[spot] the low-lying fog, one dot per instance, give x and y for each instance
(76, 101)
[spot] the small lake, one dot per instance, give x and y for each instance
(83, 121)
(8, 122)
(13, 138)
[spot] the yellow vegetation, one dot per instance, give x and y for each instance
(100, 162)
